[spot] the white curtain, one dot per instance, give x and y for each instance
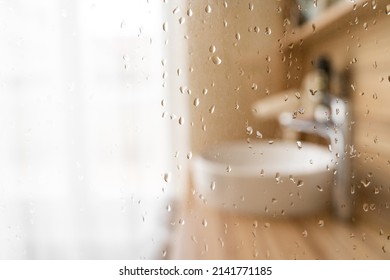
(83, 146)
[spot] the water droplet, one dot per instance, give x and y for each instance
(212, 109)
(164, 253)
(125, 57)
(268, 31)
(205, 91)
(262, 172)
(181, 120)
(193, 238)
(267, 225)
(251, 7)
(254, 86)
(182, 20)
(228, 168)
(123, 24)
(299, 144)
(365, 26)
(319, 188)
(181, 222)
(167, 177)
(165, 26)
(300, 183)
(297, 95)
(238, 36)
(196, 102)
(189, 155)
(208, 9)
(259, 135)
(212, 49)
(216, 60)
(164, 75)
(255, 224)
(365, 207)
(274, 200)
(388, 10)
(212, 186)
(365, 183)
(321, 223)
(169, 208)
(204, 222)
(189, 12)
(249, 130)
(176, 10)
(277, 178)
(304, 233)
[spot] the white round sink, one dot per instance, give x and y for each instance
(282, 178)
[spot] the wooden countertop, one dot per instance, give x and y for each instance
(201, 232)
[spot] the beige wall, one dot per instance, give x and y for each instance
(244, 65)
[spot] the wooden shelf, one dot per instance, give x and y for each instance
(338, 16)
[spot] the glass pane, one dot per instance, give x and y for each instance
(194, 129)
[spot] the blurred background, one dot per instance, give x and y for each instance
(104, 104)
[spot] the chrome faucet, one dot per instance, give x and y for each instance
(332, 123)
